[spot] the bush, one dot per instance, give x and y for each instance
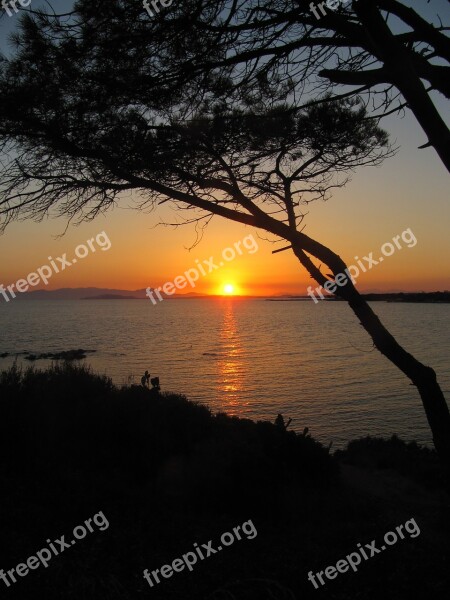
(68, 425)
(411, 459)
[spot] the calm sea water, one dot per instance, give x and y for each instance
(254, 358)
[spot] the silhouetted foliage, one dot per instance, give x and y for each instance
(411, 459)
(66, 420)
(166, 473)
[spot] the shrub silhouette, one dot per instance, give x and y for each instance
(167, 472)
(67, 423)
(410, 459)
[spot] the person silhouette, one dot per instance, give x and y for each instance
(280, 423)
(145, 379)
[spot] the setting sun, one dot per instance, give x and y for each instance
(228, 288)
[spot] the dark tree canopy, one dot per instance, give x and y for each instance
(81, 124)
(221, 51)
(385, 50)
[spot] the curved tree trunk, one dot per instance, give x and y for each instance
(423, 377)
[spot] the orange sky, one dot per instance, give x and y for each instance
(408, 191)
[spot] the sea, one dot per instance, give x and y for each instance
(254, 358)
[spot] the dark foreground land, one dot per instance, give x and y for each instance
(166, 473)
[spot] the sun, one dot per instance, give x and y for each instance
(228, 289)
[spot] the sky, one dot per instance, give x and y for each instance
(409, 191)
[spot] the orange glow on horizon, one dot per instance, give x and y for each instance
(142, 256)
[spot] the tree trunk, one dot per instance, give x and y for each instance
(397, 61)
(423, 377)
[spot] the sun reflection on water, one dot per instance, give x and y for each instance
(231, 366)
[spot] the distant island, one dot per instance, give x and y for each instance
(416, 297)
(411, 297)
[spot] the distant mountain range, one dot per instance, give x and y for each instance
(92, 293)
